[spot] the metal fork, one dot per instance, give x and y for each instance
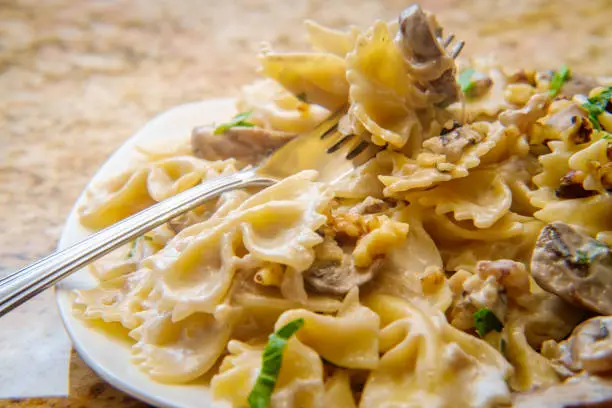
(324, 149)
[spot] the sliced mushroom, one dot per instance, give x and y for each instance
(419, 38)
(247, 144)
(574, 266)
(453, 143)
(337, 278)
(418, 35)
(584, 391)
(589, 347)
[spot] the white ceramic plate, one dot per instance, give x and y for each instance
(108, 355)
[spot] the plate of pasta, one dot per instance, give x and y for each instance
(467, 264)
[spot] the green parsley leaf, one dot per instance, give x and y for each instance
(596, 105)
(465, 80)
(558, 79)
(271, 364)
(485, 321)
(238, 120)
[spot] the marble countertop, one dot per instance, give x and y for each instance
(78, 77)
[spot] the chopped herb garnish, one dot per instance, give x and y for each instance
(134, 244)
(596, 105)
(582, 257)
(559, 78)
(485, 321)
(132, 252)
(238, 120)
(302, 97)
(590, 253)
(465, 80)
(271, 364)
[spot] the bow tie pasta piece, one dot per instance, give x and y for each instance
(385, 98)
(116, 199)
(171, 176)
(427, 362)
(274, 108)
(554, 168)
(414, 267)
(134, 190)
(177, 352)
(450, 156)
(482, 197)
(338, 391)
(378, 242)
(594, 166)
(363, 181)
(445, 230)
(531, 369)
(195, 270)
(591, 214)
(118, 299)
(349, 339)
(485, 97)
(464, 255)
(568, 187)
(237, 373)
(517, 173)
(263, 306)
(318, 78)
(330, 40)
(299, 383)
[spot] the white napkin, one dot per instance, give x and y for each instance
(34, 350)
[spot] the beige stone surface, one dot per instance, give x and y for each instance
(78, 77)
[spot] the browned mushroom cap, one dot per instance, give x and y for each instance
(418, 36)
(247, 144)
(337, 278)
(589, 347)
(587, 391)
(574, 266)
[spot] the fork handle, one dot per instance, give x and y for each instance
(22, 285)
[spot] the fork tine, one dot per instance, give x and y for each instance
(448, 40)
(329, 132)
(357, 150)
(364, 145)
(340, 143)
(457, 49)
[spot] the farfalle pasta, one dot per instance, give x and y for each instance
(433, 275)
